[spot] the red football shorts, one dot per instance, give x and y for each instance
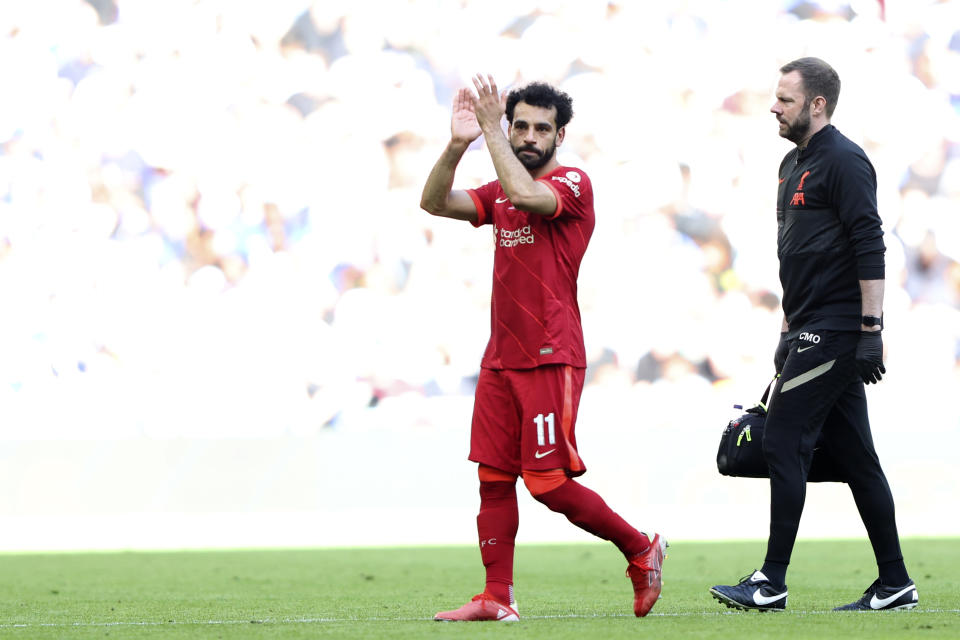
(525, 418)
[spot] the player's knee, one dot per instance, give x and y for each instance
(540, 482)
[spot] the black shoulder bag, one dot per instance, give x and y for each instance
(741, 449)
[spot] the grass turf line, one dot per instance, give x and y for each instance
(564, 591)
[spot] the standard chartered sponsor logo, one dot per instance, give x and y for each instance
(508, 238)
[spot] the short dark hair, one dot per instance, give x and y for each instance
(819, 79)
(541, 94)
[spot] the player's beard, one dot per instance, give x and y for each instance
(534, 163)
(799, 128)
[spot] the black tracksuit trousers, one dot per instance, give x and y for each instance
(819, 401)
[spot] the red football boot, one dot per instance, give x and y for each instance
(645, 572)
(481, 608)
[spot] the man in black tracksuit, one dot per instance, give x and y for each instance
(830, 245)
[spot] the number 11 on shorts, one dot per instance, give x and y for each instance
(551, 432)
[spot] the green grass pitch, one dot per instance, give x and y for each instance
(572, 591)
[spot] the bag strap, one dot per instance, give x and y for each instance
(762, 405)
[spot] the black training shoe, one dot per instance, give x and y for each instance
(753, 592)
(880, 597)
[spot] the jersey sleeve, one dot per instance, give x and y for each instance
(573, 191)
(855, 195)
(483, 198)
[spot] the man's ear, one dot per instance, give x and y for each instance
(819, 106)
(561, 132)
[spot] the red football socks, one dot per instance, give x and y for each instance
(588, 511)
(497, 525)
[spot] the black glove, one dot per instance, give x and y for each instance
(780, 355)
(869, 358)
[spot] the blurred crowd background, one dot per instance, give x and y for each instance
(209, 222)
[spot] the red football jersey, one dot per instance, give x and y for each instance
(534, 315)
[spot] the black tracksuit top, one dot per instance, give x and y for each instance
(828, 232)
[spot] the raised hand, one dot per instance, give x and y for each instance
(488, 104)
(464, 127)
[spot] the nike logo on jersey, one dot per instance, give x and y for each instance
(502, 200)
(802, 349)
(763, 600)
(539, 455)
(880, 603)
